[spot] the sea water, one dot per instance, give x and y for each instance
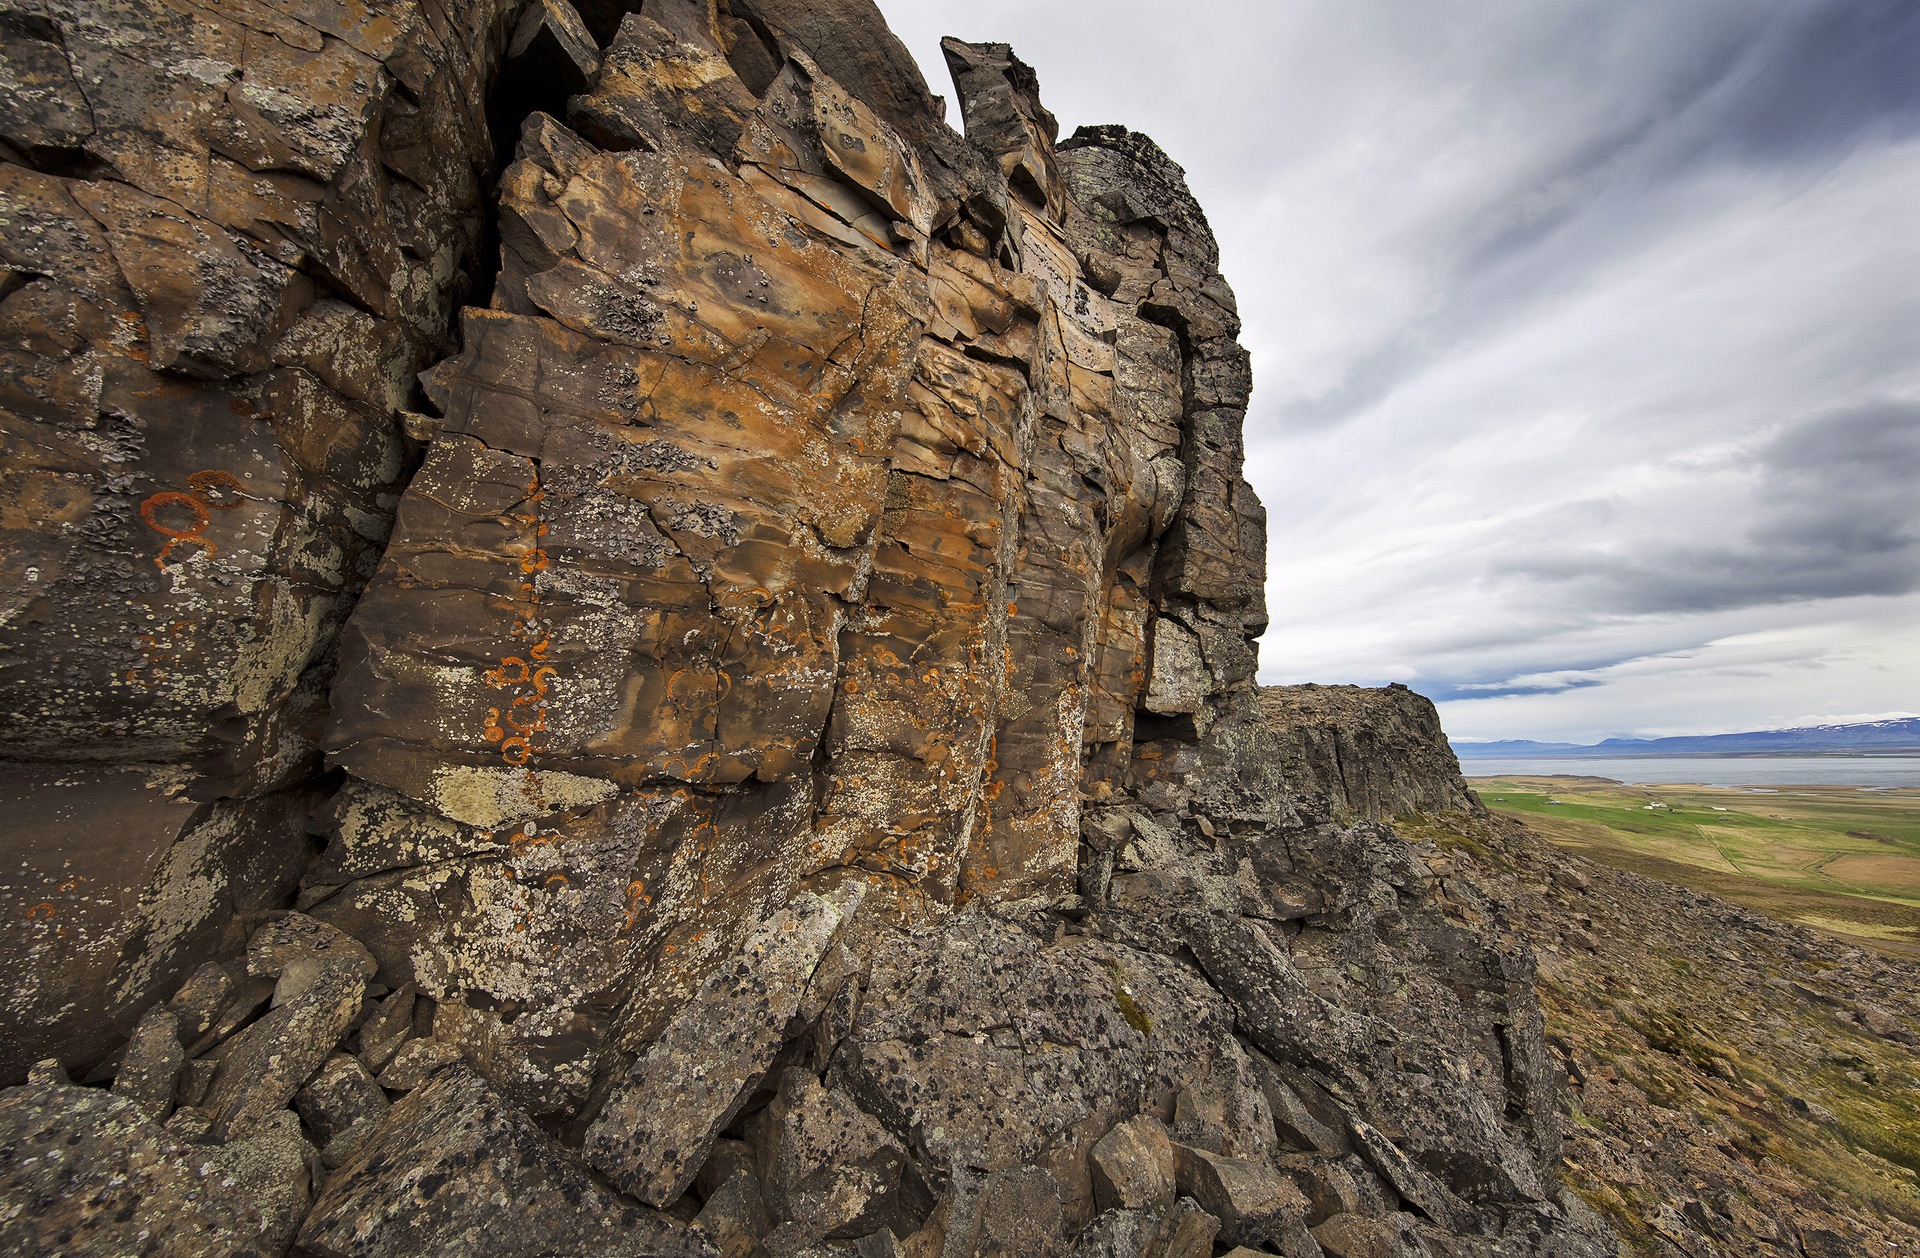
(1753, 771)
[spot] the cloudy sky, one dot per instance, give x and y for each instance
(1586, 335)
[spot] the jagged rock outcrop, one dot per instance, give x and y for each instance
(775, 705)
(1356, 752)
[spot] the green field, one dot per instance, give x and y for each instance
(1842, 859)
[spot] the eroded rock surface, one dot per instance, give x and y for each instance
(454, 1169)
(229, 236)
(86, 1172)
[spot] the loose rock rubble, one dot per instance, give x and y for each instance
(620, 643)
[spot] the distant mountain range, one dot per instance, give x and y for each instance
(1865, 738)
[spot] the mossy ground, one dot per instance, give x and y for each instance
(1722, 1086)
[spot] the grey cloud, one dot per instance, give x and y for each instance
(1756, 87)
(1445, 691)
(1827, 75)
(1833, 516)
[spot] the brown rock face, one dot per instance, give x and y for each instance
(804, 508)
(229, 235)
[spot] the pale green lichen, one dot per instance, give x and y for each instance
(1129, 1007)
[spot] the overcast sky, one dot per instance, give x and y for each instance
(1586, 335)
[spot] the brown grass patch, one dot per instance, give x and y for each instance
(1892, 873)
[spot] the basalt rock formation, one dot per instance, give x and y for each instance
(620, 643)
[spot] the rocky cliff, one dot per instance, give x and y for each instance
(617, 642)
(1349, 751)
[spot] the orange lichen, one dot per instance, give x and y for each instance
(200, 504)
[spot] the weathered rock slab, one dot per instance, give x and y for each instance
(83, 1172)
(662, 1118)
(455, 1170)
(1133, 1166)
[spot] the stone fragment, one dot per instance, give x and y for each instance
(86, 1174)
(1222, 1110)
(416, 1061)
(275, 1170)
(661, 1119)
(235, 861)
(150, 1066)
(322, 975)
(1415, 1185)
(42, 110)
(1118, 1233)
(729, 1158)
(464, 1154)
(190, 1125)
(663, 78)
(251, 995)
(551, 54)
(342, 1104)
(793, 1239)
(1277, 1010)
(1191, 1231)
(1179, 681)
(195, 1079)
(296, 949)
(200, 1000)
(388, 1027)
(269, 1061)
(882, 1244)
(1007, 1213)
(832, 1168)
(1133, 1166)
(734, 1215)
(1330, 1187)
(1293, 1121)
(1254, 1203)
(1356, 1236)
(49, 1072)
(1881, 1021)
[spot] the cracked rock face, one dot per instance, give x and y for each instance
(725, 607)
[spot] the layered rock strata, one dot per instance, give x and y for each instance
(775, 707)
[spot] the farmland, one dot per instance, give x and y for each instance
(1841, 859)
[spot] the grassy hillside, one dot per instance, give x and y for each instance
(1734, 1086)
(1841, 859)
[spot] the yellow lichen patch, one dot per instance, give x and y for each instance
(489, 797)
